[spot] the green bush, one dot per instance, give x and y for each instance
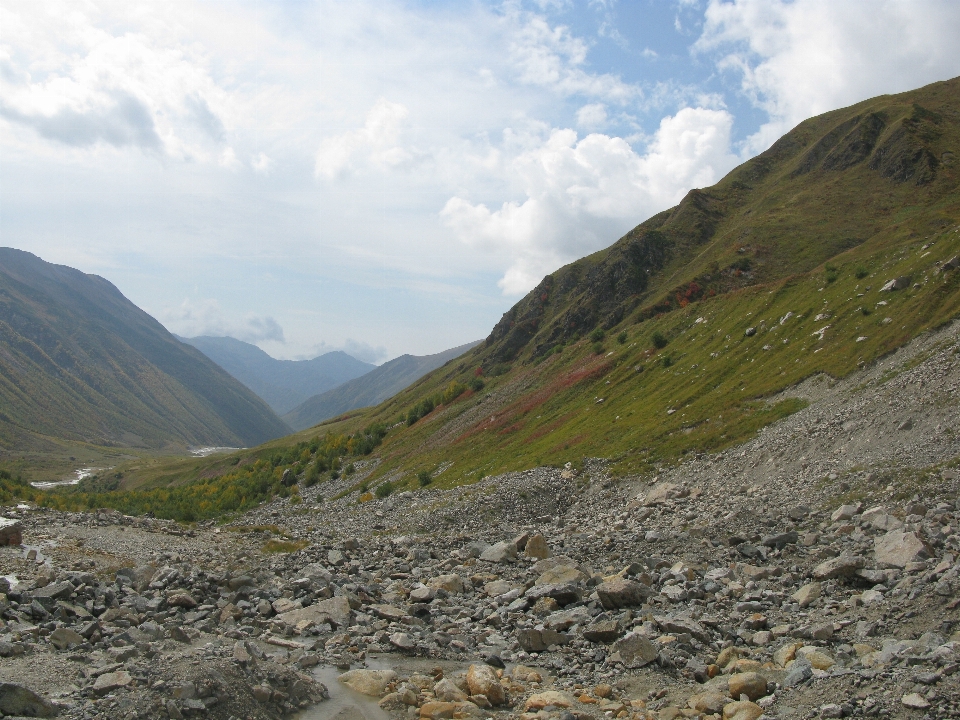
(622, 338)
(862, 272)
(384, 489)
(597, 348)
(667, 361)
(351, 469)
(597, 335)
(659, 340)
(424, 478)
(476, 384)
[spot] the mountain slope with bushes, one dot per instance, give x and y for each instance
(830, 250)
(370, 389)
(78, 361)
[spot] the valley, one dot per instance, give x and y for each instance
(708, 472)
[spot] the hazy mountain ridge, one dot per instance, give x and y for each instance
(80, 361)
(370, 389)
(283, 384)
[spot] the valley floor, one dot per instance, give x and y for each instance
(810, 572)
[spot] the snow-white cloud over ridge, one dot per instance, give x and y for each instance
(583, 193)
(207, 317)
(801, 58)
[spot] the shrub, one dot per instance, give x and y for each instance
(597, 335)
(622, 338)
(862, 272)
(659, 340)
(334, 475)
(832, 272)
(424, 478)
(351, 469)
(384, 489)
(667, 361)
(597, 348)
(476, 384)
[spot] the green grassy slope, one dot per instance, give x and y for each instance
(806, 233)
(78, 361)
(640, 353)
(369, 389)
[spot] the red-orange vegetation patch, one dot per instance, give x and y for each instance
(594, 372)
(548, 428)
(567, 444)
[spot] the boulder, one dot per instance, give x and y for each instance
(899, 283)
(561, 574)
(534, 640)
(498, 587)
(898, 548)
(502, 551)
(17, 700)
(11, 532)
(550, 698)
(563, 593)
(843, 566)
(368, 682)
(62, 638)
(621, 593)
(751, 684)
(335, 610)
(660, 493)
(181, 598)
(602, 631)
(807, 594)
(537, 547)
(482, 680)
(108, 682)
(742, 710)
(447, 691)
(636, 649)
(451, 583)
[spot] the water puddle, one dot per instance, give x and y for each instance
(344, 703)
(34, 553)
(11, 579)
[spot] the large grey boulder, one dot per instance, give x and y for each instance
(621, 593)
(500, 552)
(898, 548)
(19, 701)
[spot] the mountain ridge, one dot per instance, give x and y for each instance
(79, 361)
(283, 384)
(371, 388)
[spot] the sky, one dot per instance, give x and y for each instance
(390, 177)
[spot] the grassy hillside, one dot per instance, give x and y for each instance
(79, 363)
(682, 336)
(370, 389)
(283, 384)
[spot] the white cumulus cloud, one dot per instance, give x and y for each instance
(805, 57)
(376, 143)
(206, 317)
(581, 193)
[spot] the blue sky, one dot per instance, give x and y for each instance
(389, 177)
